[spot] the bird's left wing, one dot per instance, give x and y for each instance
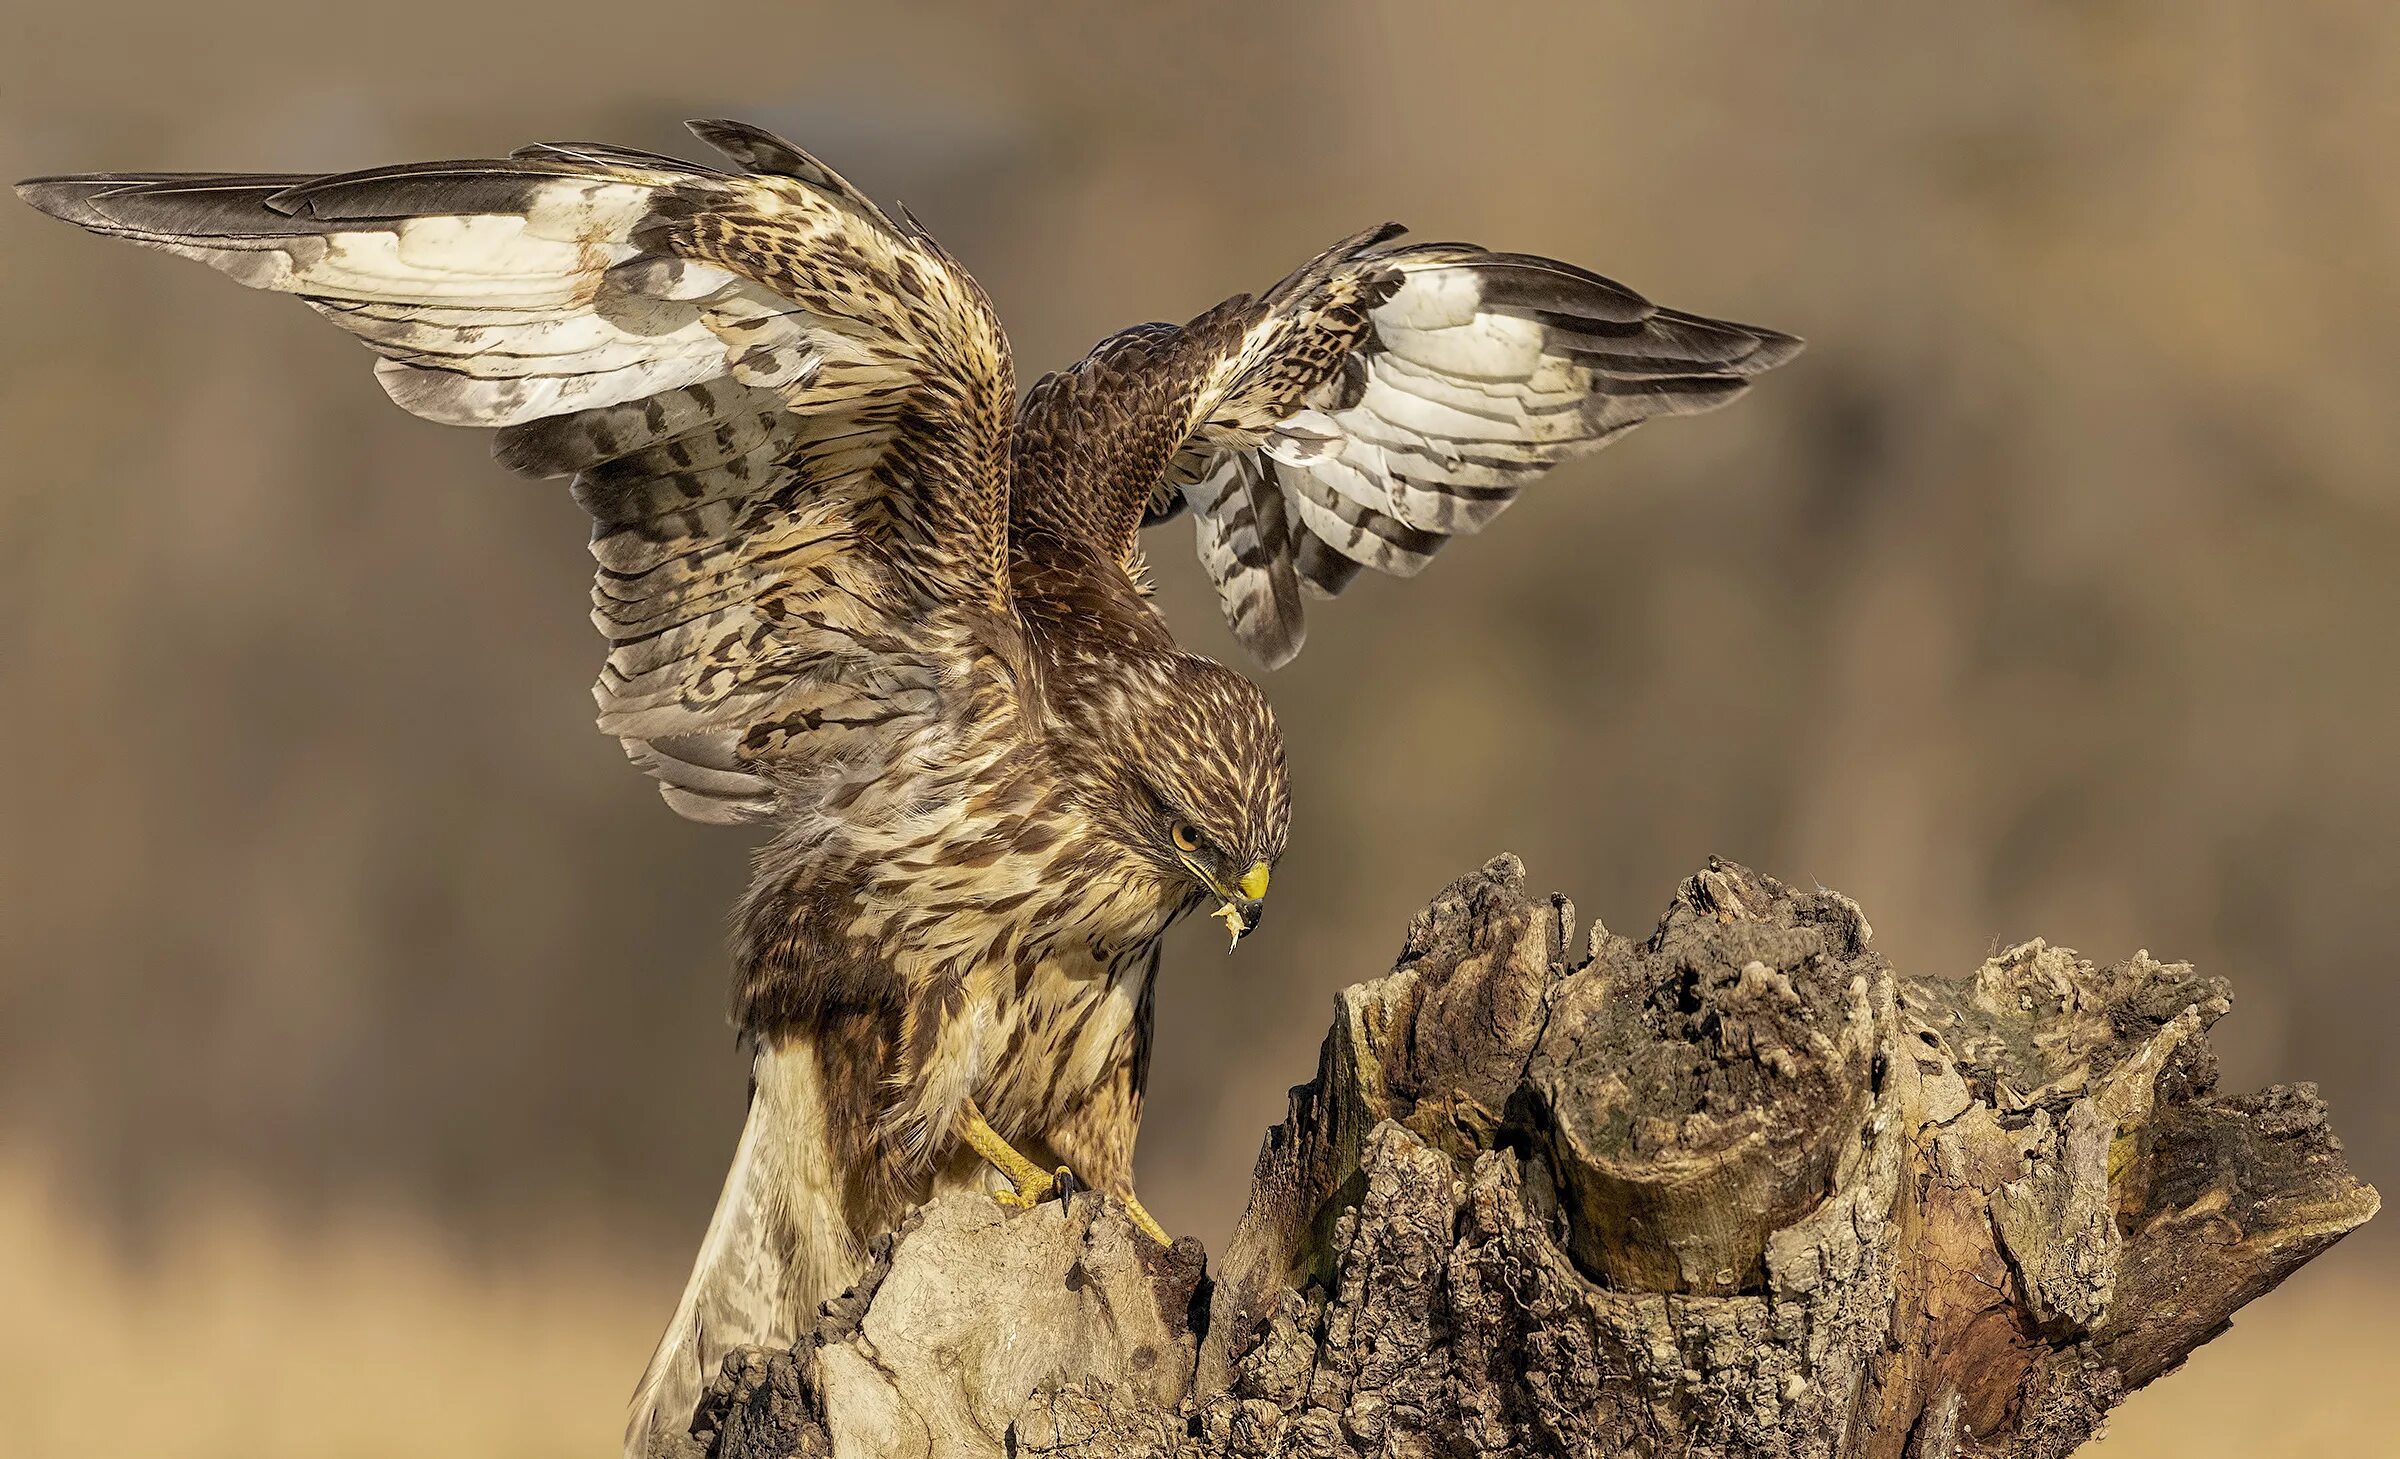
(786, 412)
(1378, 402)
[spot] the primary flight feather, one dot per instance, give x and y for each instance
(853, 588)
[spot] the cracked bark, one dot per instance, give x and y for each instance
(1732, 1189)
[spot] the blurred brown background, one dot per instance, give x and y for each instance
(362, 1051)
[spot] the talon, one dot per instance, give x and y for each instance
(1027, 1194)
(1064, 1179)
(1030, 1185)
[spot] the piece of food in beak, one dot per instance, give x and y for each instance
(1241, 911)
(1233, 923)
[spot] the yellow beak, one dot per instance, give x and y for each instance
(1241, 907)
(1254, 883)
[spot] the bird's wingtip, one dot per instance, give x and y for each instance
(75, 198)
(1775, 347)
(60, 197)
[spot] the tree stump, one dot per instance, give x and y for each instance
(1735, 1189)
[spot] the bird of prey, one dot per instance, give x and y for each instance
(856, 590)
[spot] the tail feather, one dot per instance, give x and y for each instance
(777, 1247)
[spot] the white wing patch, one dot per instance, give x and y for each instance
(1481, 371)
(730, 445)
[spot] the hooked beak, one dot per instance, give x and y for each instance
(1243, 904)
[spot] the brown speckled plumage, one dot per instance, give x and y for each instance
(853, 589)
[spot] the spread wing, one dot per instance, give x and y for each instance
(1373, 406)
(787, 413)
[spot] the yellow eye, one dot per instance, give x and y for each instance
(1187, 836)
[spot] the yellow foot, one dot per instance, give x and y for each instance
(1032, 1184)
(1039, 1188)
(1148, 1223)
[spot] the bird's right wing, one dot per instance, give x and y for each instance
(1379, 402)
(787, 413)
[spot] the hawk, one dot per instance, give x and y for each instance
(856, 590)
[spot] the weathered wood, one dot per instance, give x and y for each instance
(1733, 1189)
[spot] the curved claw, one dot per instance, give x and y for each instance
(1031, 1190)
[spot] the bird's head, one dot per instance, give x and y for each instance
(1187, 778)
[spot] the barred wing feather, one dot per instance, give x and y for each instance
(1475, 372)
(786, 412)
